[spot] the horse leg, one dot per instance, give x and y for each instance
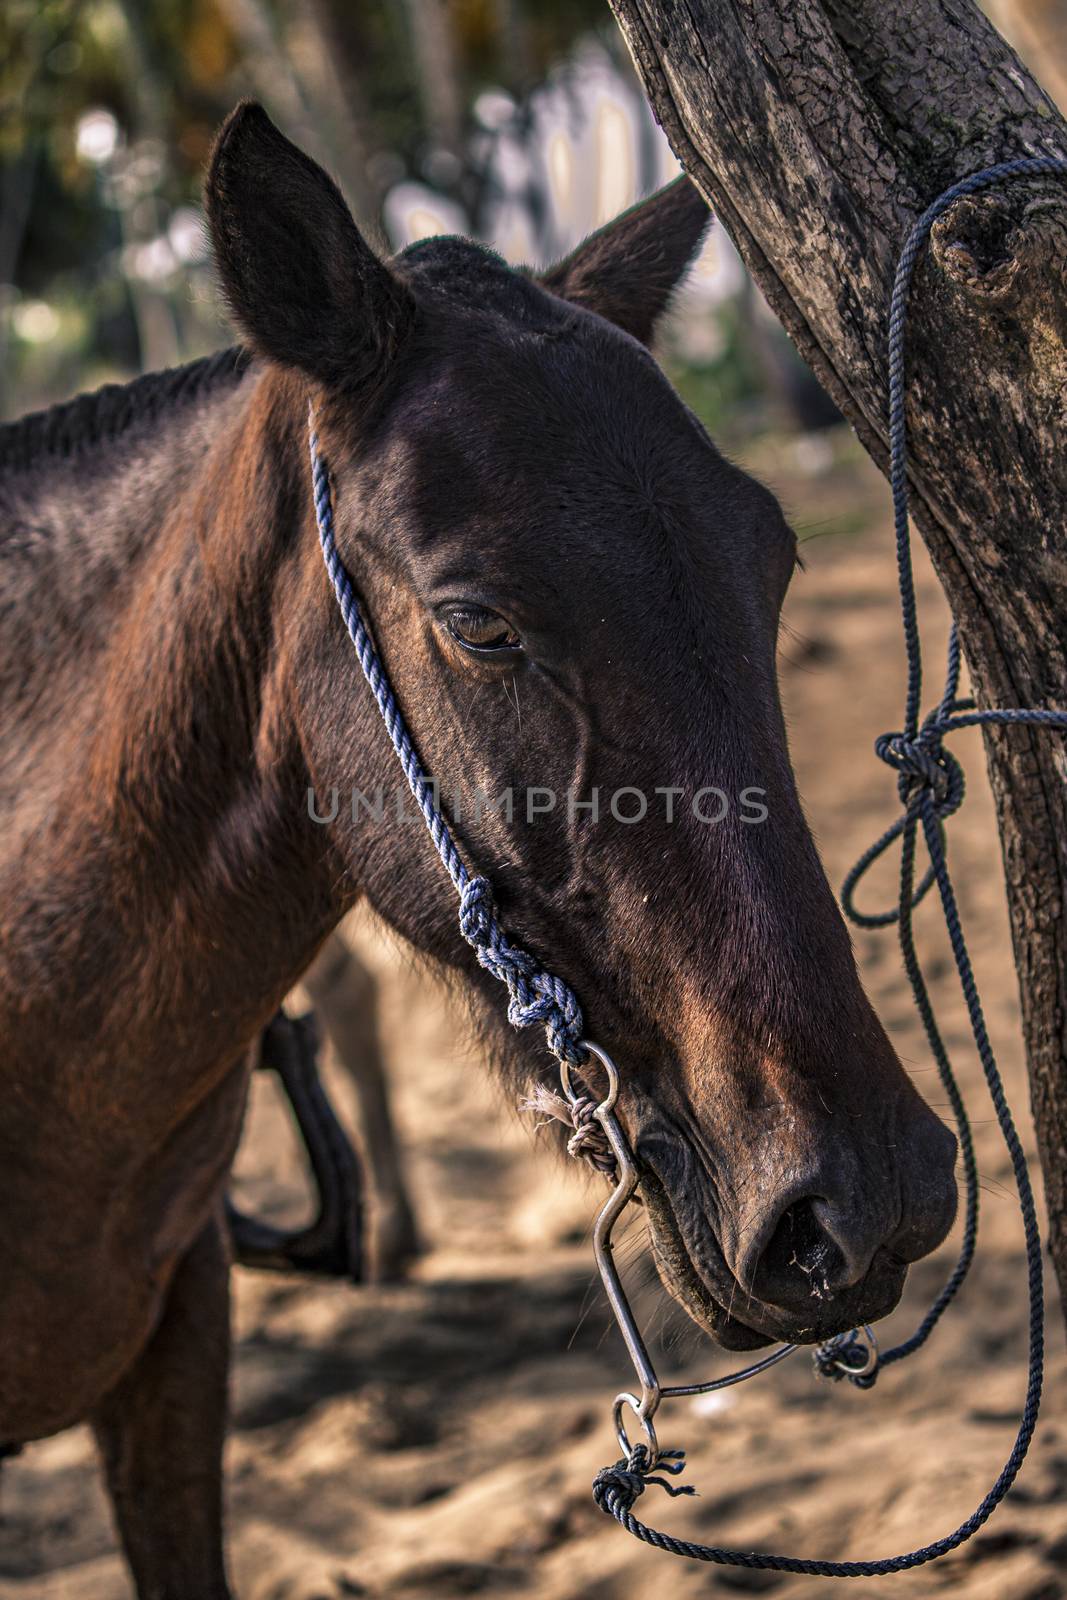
(344, 995)
(333, 1242)
(160, 1432)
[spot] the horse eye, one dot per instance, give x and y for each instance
(477, 629)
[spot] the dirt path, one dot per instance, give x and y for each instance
(438, 1438)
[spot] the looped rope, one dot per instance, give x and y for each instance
(931, 787)
(616, 1488)
(847, 1356)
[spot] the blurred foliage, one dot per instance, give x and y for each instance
(725, 387)
(108, 109)
(359, 85)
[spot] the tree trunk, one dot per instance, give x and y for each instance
(819, 130)
(437, 71)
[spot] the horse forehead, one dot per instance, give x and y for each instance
(560, 455)
(515, 416)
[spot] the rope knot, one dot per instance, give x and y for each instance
(616, 1488)
(923, 765)
(534, 995)
(589, 1139)
(622, 1482)
(477, 911)
(847, 1356)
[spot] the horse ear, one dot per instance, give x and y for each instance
(627, 271)
(304, 287)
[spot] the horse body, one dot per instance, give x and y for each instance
(569, 586)
(145, 845)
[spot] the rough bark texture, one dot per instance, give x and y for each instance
(819, 131)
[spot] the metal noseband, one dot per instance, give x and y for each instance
(645, 1405)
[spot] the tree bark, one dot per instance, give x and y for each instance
(819, 130)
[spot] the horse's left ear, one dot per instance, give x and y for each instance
(627, 271)
(305, 288)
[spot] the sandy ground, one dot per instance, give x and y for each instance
(438, 1438)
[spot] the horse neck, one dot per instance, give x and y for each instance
(186, 819)
(187, 677)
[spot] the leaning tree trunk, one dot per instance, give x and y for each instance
(819, 130)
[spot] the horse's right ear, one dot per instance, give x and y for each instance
(628, 270)
(304, 287)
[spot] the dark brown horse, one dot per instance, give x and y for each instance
(571, 589)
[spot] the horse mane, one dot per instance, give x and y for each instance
(89, 419)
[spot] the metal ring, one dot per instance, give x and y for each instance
(871, 1358)
(612, 1071)
(631, 1400)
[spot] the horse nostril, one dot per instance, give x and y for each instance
(800, 1260)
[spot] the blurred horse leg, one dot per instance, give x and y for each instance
(344, 995)
(332, 1242)
(161, 1430)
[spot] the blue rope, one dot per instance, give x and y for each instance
(930, 779)
(931, 786)
(534, 995)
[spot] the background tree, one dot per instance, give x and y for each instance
(107, 112)
(819, 130)
(1038, 30)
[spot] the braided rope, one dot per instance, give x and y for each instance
(931, 786)
(534, 994)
